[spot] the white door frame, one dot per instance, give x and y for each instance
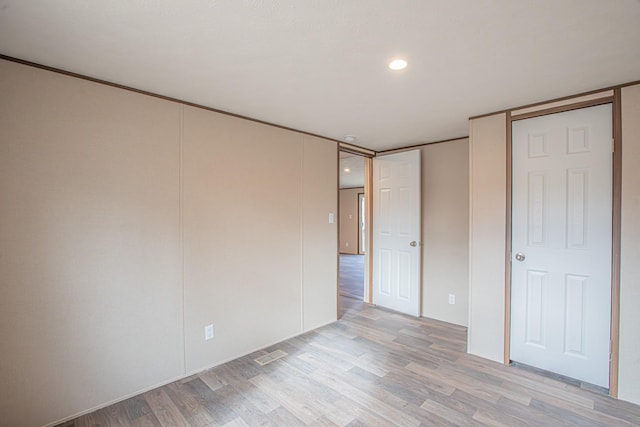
(615, 100)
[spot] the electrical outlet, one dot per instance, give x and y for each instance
(208, 332)
(452, 299)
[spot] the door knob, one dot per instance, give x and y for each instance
(520, 256)
(414, 243)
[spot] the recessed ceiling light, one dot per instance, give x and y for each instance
(398, 64)
(349, 138)
(347, 170)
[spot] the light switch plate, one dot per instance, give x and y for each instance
(208, 332)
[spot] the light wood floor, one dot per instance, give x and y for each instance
(352, 276)
(371, 368)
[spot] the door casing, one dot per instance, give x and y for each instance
(615, 100)
(572, 189)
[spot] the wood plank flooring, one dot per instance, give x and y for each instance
(352, 276)
(371, 368)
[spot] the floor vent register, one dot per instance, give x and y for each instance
(270, 357)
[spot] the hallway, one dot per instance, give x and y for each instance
(352, 276)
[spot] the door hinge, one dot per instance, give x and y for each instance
(613, 145)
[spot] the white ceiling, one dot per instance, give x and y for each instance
(321, 65)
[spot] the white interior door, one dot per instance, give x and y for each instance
(561, 242)
(396, 232)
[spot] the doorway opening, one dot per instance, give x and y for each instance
(354, 226)
(362, 244)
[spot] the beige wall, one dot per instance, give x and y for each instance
(487, 207)
(629, 379)
(349, 230)
(241, 235)
(319, 246)
(90, 288)
(121, 215)
(445, 229)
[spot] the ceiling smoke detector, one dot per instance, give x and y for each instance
(349, 138)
